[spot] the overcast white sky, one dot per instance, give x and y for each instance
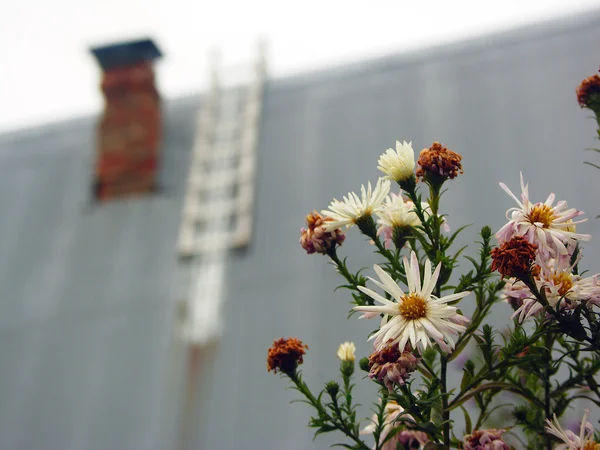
(47, 74)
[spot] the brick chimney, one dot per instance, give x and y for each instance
(129, 133)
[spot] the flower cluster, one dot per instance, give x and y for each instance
(419, 316)
(421, 331)
(563, 289)
(395, 214)
(540, 241)
(316, 238)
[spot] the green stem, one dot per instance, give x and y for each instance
(548, 341)
(486, 403)
(413, 197)
(341, 267)
(348, 393)
(444, 392)
(303, 388)
(434, 203)
(372, 234)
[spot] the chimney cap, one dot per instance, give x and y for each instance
(126, 53)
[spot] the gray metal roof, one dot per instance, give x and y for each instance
(87, 291)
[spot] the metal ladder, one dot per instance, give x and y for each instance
(217, 211)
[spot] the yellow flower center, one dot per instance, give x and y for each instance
(590, 445)
(413, 306)
(541, 214)
(564, 280)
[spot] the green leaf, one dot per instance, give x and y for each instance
(473, 261)
(340, 444)
(324, 429)
(591, 164)
(466, 379)
(468, 425)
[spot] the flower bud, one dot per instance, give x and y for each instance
(346, 351)
(332, 388)
(364, 364)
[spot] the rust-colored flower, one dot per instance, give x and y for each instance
(391, 366)
(316, 239)
(514, 258)
(588, 92)
(286, 355)
(439, 163)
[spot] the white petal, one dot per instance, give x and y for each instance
(414, 262)
(431, 330)
(390, 284)
(409, 276)
(452, 297)
(375, 296)
(377, 309)
(430, 286)
(509, 192)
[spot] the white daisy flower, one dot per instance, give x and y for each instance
(396, 212)
(398, 165)
(417, 316)
(570, 440)
(550, 227)
(353, 208)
